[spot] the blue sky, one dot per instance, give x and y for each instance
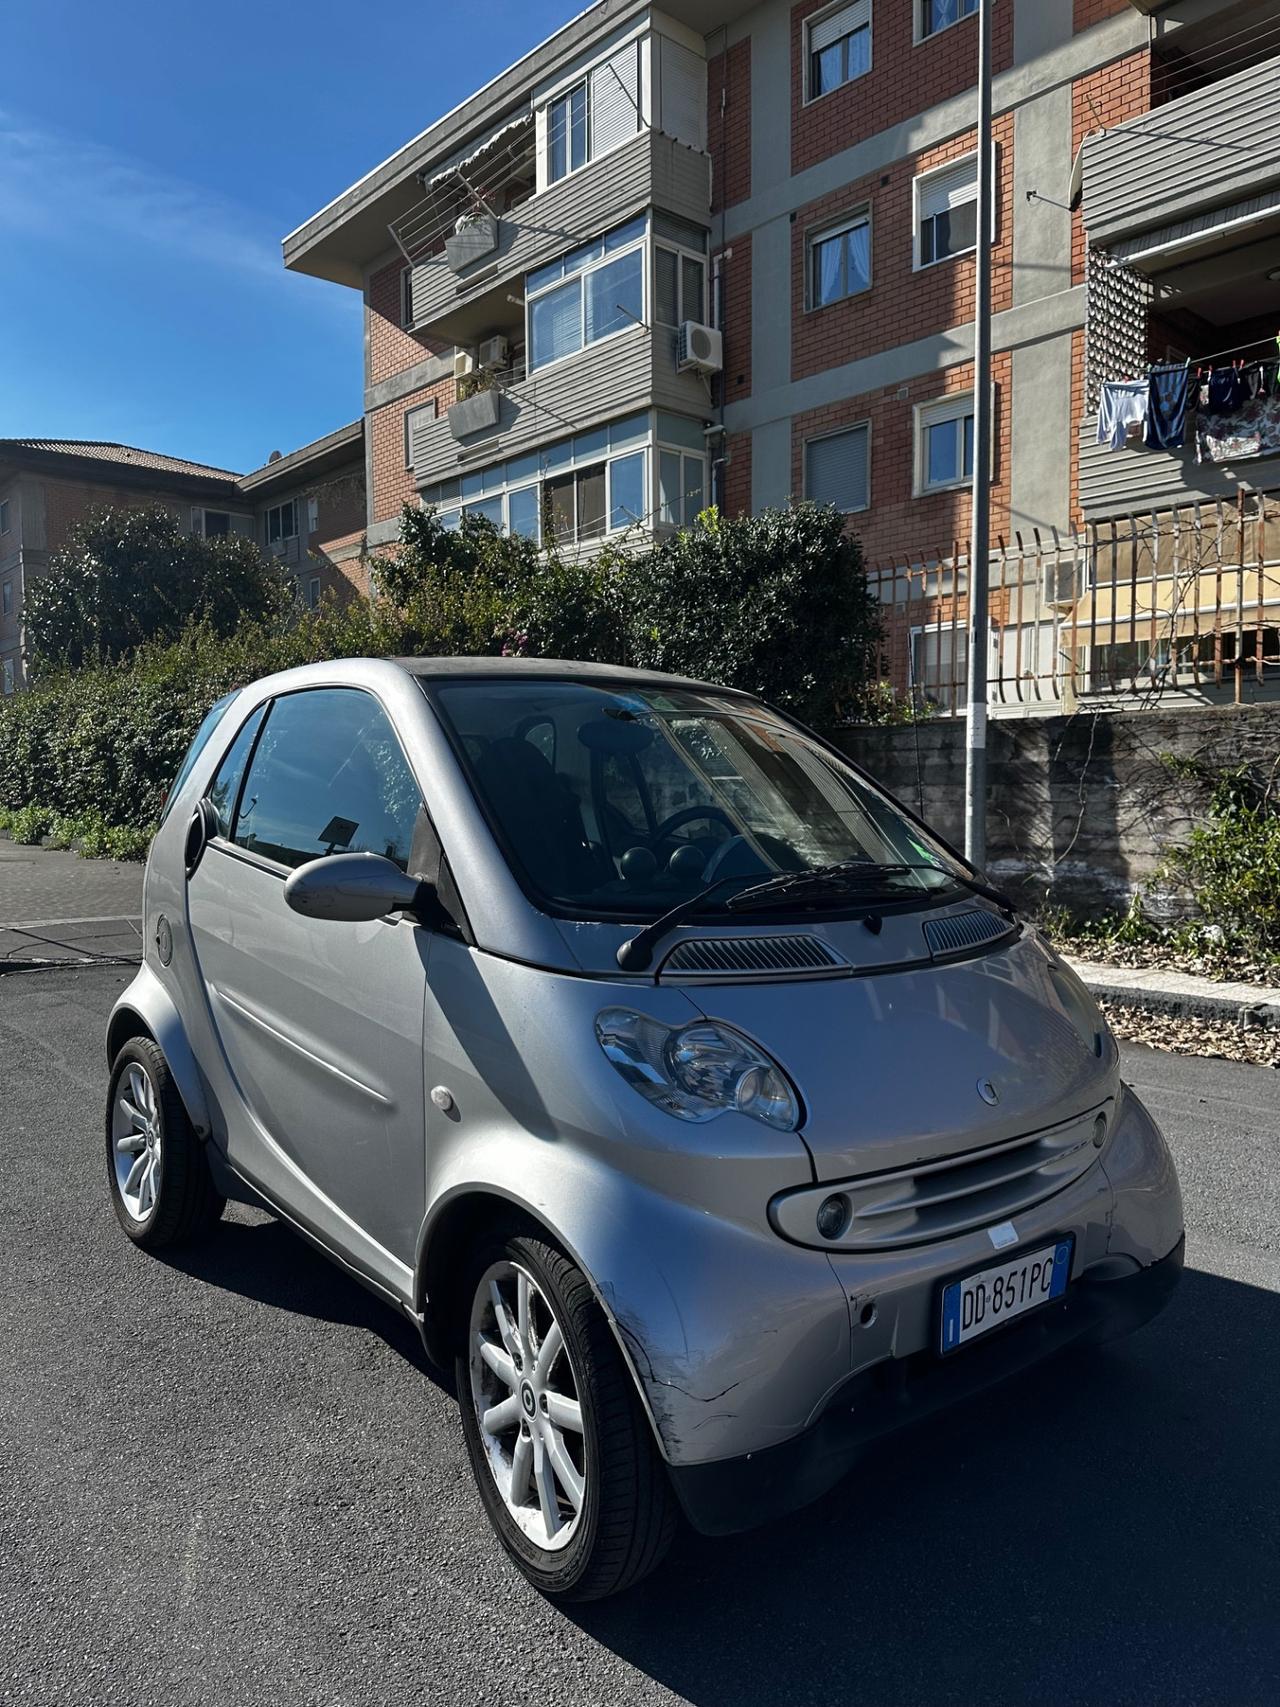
(152, 155)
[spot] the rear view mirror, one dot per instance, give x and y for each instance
(353, 887)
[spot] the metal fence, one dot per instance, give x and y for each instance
(1183, 602)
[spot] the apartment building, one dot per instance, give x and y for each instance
(726, 251)
(307, 508)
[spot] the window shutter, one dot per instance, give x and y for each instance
(949, 189)
(684, 93)
(839, 23)
(615, 97)
(836, 470)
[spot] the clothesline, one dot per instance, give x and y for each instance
(1234, 349)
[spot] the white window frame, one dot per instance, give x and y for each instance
(282, 538)
(936, 412)
(919, 634)
(835, 433)
(584, 83)
(582, 79)
(810, 24)
(920, 34)
(822, 234)
(432, 408)
(680, 251)
(641, 243)
(313, 592)
(919, 266)
(406, 297)
(663, 448)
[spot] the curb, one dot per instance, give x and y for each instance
(1177, 995)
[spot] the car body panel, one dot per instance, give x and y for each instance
(309, 1051)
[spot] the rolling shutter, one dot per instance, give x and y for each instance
(839, 23)
(684, 93)
(615, 99)
(950, 189)
(835, 469)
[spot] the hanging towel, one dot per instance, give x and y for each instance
(1123, 404)
(1227, 390)
(1167, 407)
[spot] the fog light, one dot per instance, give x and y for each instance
(1100, 1131)
(833, 1216)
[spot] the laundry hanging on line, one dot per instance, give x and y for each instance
(1122, 404)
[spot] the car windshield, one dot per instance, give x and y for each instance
(619, 803)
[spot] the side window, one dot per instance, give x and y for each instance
(328, 776)
(226, 782)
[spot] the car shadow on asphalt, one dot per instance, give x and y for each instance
(261, 1258)
(1101, 1530)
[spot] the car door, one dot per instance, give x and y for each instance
(319, 1022)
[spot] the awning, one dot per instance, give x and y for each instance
(477, 181)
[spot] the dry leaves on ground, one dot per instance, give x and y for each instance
(1221, 1040)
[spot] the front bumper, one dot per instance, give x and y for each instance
(1111, 1299)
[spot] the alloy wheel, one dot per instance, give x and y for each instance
(136, 1145)
(527, 1402)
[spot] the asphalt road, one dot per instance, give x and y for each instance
(233, 1479)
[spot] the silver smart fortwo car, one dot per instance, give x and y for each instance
(699, 1101)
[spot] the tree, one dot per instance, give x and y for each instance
(776, 603)
(124, 577)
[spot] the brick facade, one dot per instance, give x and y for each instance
(729, 125)
(737, 474)
(898, 524)
(1090, 12)
(393, 485)
(735, 285)
(906, 77)
(940, 295)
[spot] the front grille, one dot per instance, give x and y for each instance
(939, 1199)
(750, 956)
(959, 933)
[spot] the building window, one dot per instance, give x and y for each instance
(682, 488)
(837, 468)
(406, 296)
(217, 524)
(313, 591)
(839, 47)
(679, 272)
(4, 516)
(840, 262)
(946, 211)
(586, 295)
(595, 114)
(282, 522)
(418, 416)
(8, 676)
(6, 599)
(944, 443)
(939, 664)
(935, 15)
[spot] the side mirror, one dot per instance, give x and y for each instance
(353, 887)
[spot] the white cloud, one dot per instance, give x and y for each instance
(63, 187)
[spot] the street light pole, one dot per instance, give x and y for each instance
(975, 754)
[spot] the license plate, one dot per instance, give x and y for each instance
(973, 1306)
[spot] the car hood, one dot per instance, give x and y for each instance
(900, 1066)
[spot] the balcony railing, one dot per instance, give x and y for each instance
(1197, 161)
(1181, 604)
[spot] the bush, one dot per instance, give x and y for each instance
(1229, 867)
(28, 824)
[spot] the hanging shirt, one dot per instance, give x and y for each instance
(1168, 391)
(1227, 390)
(1123, 404)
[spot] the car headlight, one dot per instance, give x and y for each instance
(697, 1071)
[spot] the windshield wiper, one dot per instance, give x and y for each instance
(858, 878)
(635, 954)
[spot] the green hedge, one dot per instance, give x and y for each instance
(776, 604)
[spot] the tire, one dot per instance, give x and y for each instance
(625, 1518)
(146, 1121)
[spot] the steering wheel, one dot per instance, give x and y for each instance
(689, 815)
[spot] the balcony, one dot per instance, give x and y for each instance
(633, 369)
(462, 297)
(1206, 161)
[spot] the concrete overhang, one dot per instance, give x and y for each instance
(341, 449)
(340, 241)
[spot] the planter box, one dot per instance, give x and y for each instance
(474, 414)
(472, 243)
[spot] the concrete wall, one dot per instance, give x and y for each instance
(1082, 807)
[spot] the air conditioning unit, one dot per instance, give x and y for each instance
(699, 347)
(463, 363)
(494, 353)
(1062, 583)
